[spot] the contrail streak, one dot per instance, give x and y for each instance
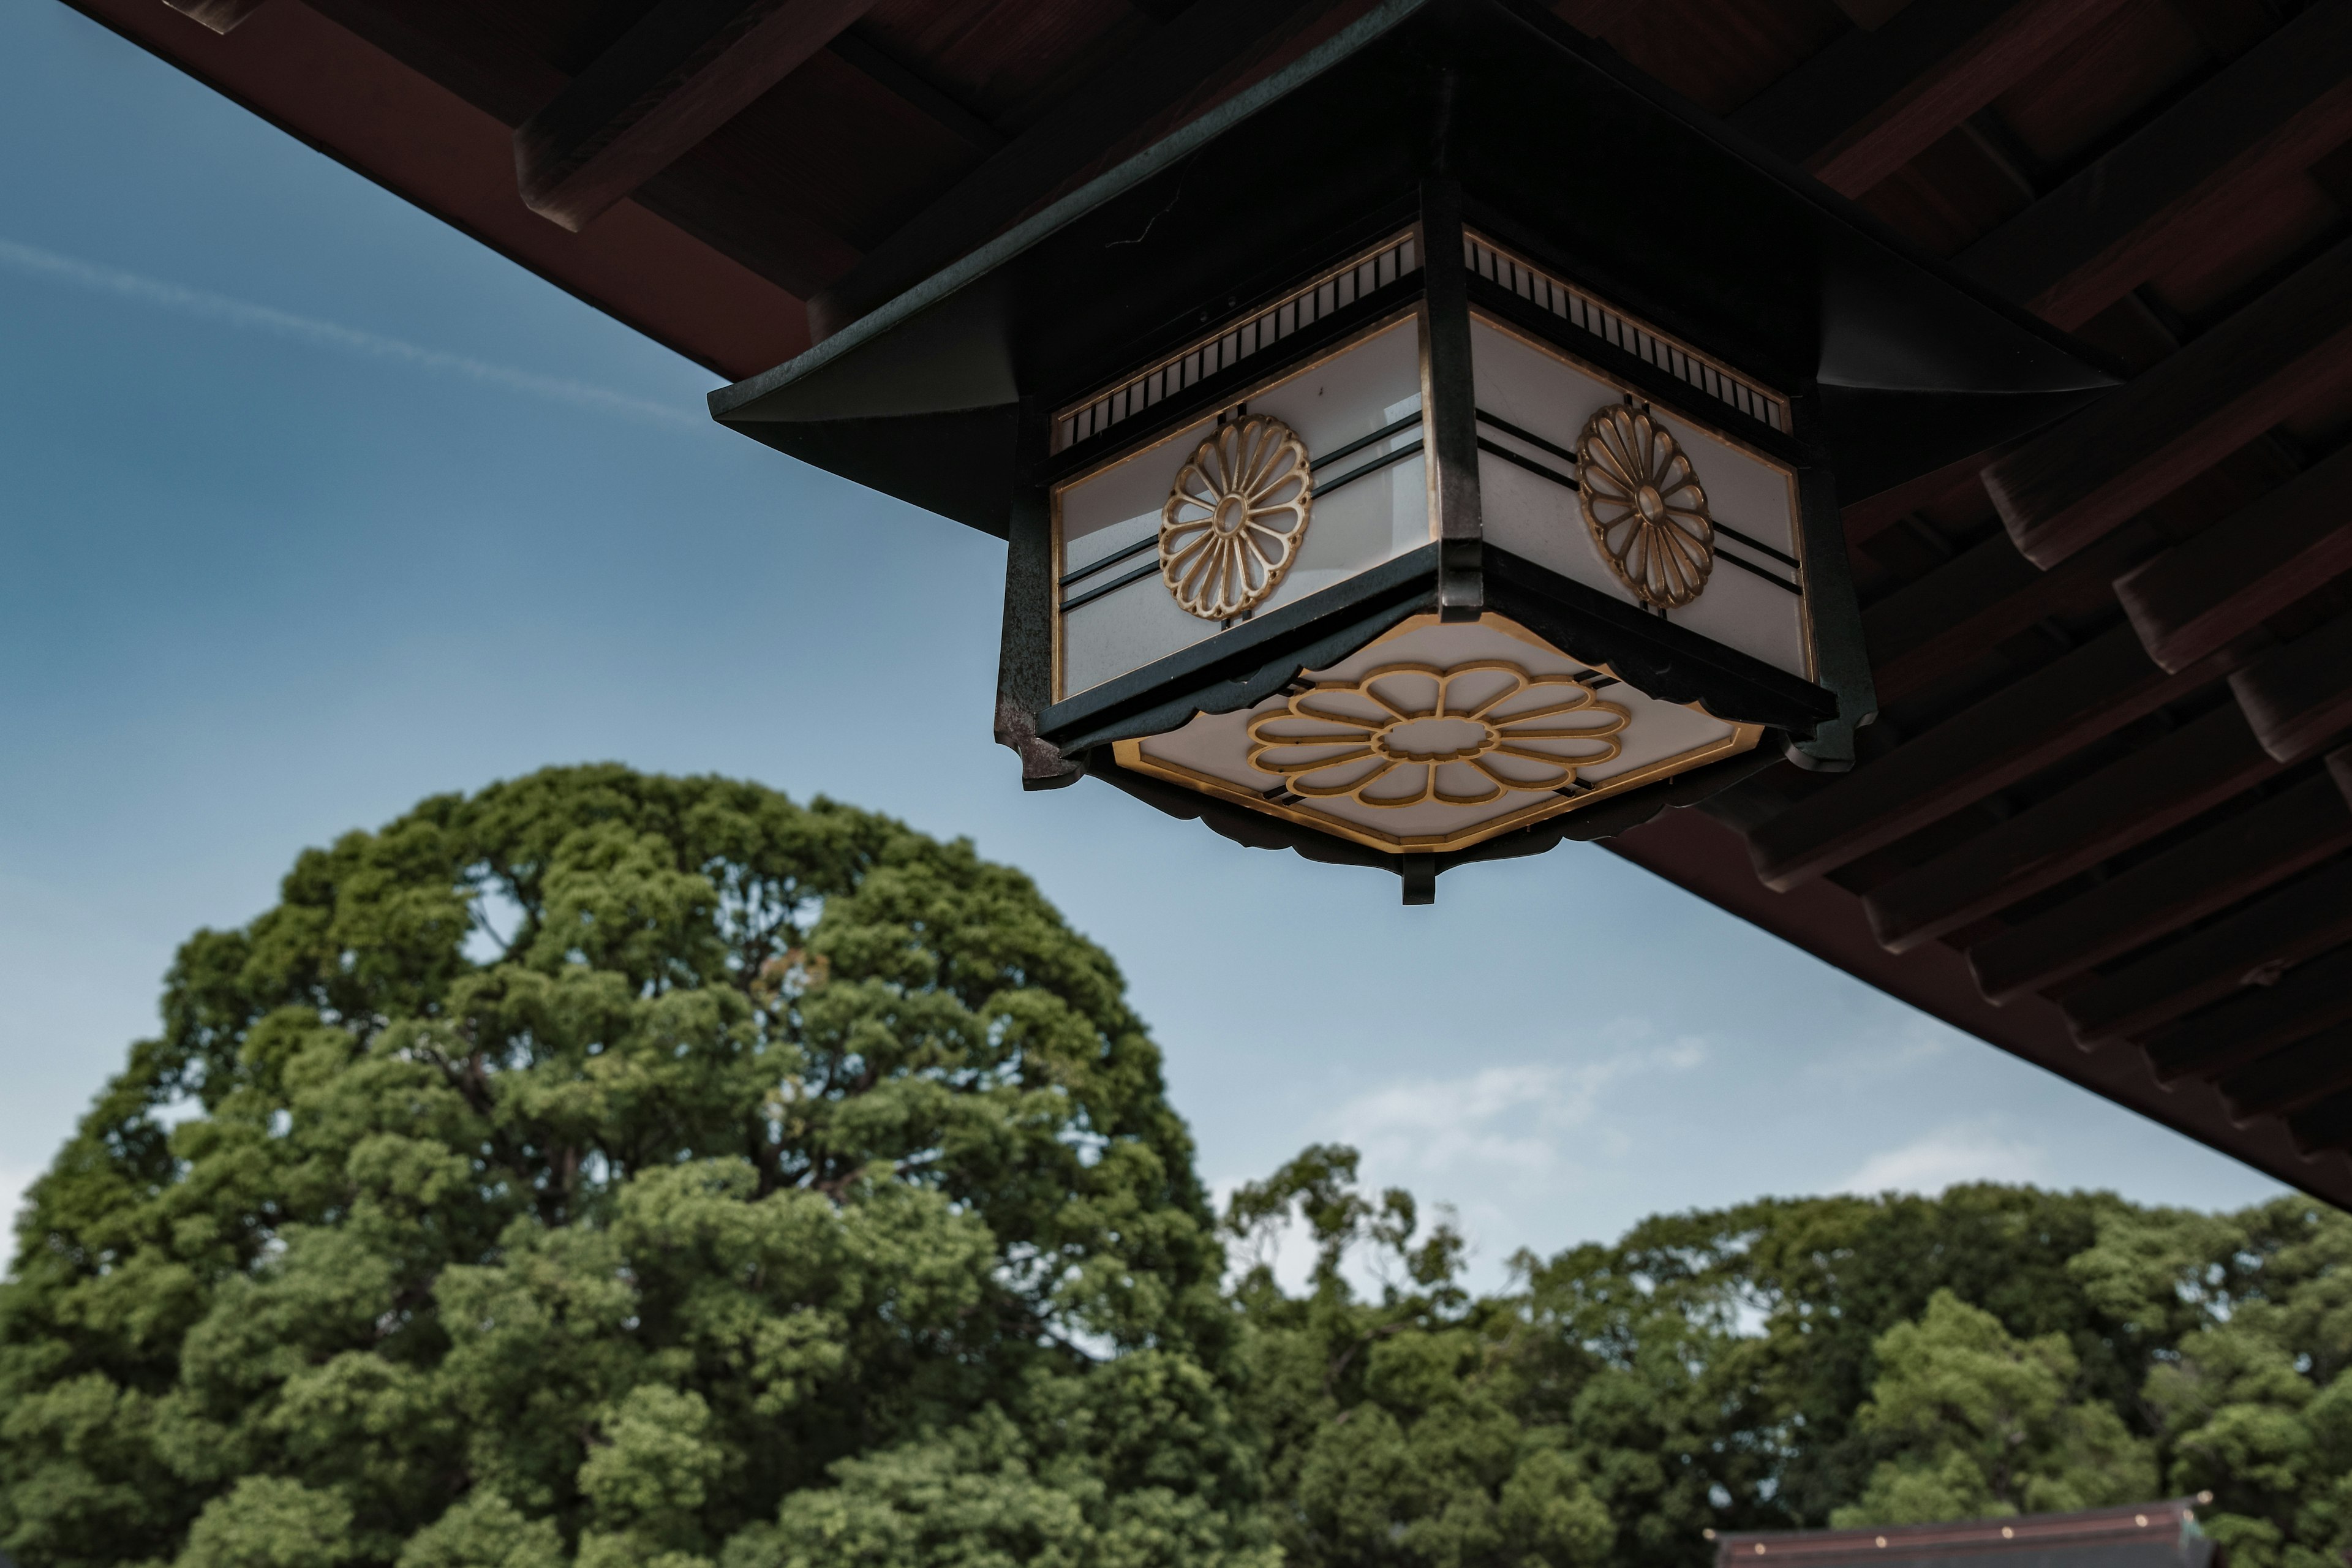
(47, 264)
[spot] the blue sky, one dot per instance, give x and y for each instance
(312, 507)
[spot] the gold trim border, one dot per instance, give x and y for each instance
(1756, 390)
(1130, 755)
(1415, 312)
(1788, 475)
(1410, 234)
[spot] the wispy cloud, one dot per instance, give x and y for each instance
(1960, 1152)
(1503, 1120)
(47, 265)
(1484, 1146)
(1895, 1043)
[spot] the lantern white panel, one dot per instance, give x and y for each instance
(1372, 383)
(1551, 396)
(1636, 738)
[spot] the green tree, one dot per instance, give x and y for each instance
(628, 1170)
(1719, 1358)
(2252, 1400)
(1983, 1425)
(1796, 1363)
(1402, 1430)
(607, 1169)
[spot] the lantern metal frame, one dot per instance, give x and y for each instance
(1508, 152)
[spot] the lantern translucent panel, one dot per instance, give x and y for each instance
(1640, 739)
(1549, 396)
(1365, 387)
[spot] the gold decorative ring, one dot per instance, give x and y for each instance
(1406, 734)
(1642, 501)
(1235, 517)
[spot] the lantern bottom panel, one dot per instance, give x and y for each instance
(1439, 735)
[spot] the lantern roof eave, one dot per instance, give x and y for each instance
(1913, 364)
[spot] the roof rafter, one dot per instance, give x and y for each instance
(2255, 946)
(220, 15)
(2088, 476)
(2234, 860)
(2130, 801)
(2210, 590)
(2181, 178)
(2257, 1020)
(1167, 65)
(1875, 100)
(2095, 691)
(684, 69)
(2299, 697)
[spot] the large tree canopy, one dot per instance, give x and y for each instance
(609, 1169)
(639, 1167)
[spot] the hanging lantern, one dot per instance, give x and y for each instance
(1433, 453)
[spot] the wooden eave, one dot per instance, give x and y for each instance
(2104, 820)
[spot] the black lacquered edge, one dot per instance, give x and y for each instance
(1409, 422)
(1249, 663)
(1150, 568)
(1212, 674)
(1650, 652)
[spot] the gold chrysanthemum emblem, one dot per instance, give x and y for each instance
(1407, 733)
(1235, 517)
(1645, 508)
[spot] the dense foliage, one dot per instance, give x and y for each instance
(630, 1168)
(1813, 1362)
(614, 1169)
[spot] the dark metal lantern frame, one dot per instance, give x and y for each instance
(1444, 118)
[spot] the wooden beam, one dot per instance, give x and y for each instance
(1928, 627)
(2259, 1020)
(1937, 625)
(334, 89)
(2325, 1123)
(2234, 860)
(686, 69)
(2323, 1127)
(464, 52)
(2084, 479)
(220, 15)
(460, 49)
(2223, 584)
(2097, 689)
(727, 209)
(1871, 516)
(2179, 180)
(2253, 947)
(1167, 66)
(1877, 99)
(2290, 1080)
(2299, 697)
(2150, 791)
(917, 93)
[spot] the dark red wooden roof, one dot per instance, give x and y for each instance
(2132, 1536)
(2106, 819)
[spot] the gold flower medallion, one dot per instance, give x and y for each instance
(1406, 734)
(1642, 501)
(1235, 517)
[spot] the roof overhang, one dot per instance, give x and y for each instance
(1557, 146)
